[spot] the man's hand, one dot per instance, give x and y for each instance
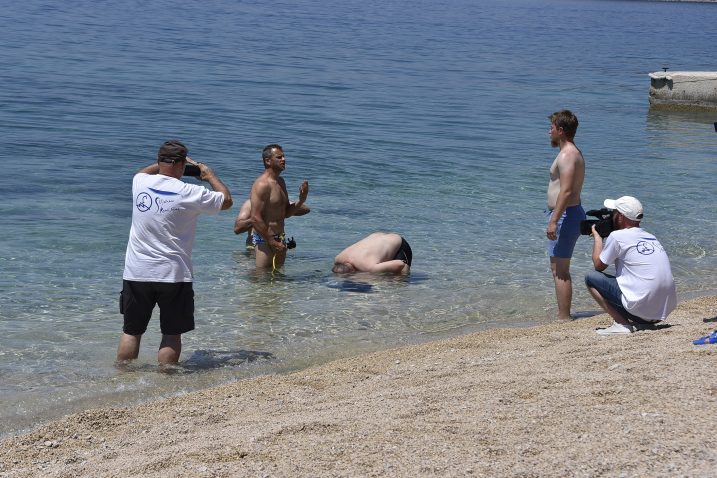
(597, 249)
(303, 192)
(298, 208)
(204, 171)
(276, 245)
(552, 231)
(206, 174)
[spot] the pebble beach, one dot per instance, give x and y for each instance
(553, 400)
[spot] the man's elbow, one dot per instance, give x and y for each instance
(228, 202)
(302, 211)
(241, 226)
(256, 219)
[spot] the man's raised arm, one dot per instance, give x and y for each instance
(298, 208)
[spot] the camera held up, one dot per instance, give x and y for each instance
(603, 223)
(192, 170)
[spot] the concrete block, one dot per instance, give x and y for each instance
(683, 89)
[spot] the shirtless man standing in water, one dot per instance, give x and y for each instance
(567, 174)
(270, 206)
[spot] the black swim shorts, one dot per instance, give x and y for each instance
(404, 252)
(176, 306)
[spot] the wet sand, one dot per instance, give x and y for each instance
(555, 400)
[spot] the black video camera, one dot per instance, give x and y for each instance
(603, 223)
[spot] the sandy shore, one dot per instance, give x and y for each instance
(555, 400)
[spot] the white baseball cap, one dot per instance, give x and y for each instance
(628, 206)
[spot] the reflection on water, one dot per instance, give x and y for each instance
(348, 285)
(680, 129)
(208, 359)
(200, 360)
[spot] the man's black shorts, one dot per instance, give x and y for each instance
(176, 306)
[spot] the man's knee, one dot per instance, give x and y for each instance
(128, 348)
(560, 266)
(170, 349)
(592, 278)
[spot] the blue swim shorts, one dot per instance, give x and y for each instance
(258, 240)
(568, 232)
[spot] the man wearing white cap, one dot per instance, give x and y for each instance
(643, 289)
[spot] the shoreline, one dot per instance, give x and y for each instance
(550, 400)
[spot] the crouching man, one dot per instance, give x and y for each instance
(643, 289)
(379, 252)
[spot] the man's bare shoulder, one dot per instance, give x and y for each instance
(262, 181)
(569, 155)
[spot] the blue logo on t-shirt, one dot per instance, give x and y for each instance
(144, 202)
(645, 248)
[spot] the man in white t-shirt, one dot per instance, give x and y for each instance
(642, 291)
(158, 262)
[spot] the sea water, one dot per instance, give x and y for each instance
(428, 118)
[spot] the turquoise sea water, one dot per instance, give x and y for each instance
(425, 118)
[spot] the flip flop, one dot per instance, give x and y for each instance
(707, 339)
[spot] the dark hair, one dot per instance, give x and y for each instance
(172, 151)
(567, 120)
(343, 269)
(266, 152)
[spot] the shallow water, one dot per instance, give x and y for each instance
(423, 118)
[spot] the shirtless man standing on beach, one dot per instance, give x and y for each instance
(567, 174)
(270, 206)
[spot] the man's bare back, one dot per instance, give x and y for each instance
(374, 253)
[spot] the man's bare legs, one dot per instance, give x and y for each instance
(560, 267)
(607, 307)
(128, 348)
(169, 349)
(265, 257)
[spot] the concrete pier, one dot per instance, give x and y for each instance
(683, 90)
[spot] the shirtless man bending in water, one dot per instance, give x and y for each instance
(242, 223)
(270, 206)
(379, 252)
(567, 174)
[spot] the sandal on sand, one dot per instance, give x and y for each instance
(707, 339)
(615, 329)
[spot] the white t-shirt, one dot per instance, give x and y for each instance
(164, 220)
(643, 273)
